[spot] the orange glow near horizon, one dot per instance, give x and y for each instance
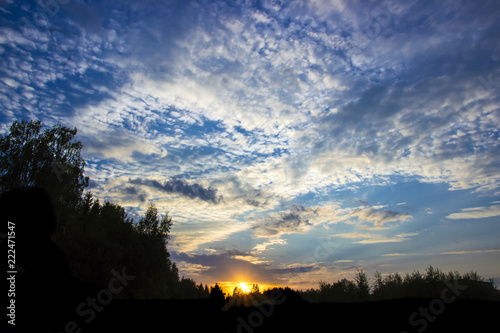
(228, 286)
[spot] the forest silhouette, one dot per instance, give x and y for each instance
(84, 266)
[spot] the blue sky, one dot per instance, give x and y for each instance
(292, 141)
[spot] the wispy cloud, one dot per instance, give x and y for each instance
(471, 252)
(396, 254)
(465, 252)
(376, 238)
(476, 213)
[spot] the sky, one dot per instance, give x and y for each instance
(291, 141)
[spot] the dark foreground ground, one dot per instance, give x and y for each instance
(399, 315)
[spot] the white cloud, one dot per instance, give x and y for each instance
(396, 239)
(471, 252)
(375, 238)
(267, 244)
(476, 213)
(379, 217)
(465, 252)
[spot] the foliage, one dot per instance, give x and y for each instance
(50, 160)
(394, 285)
(187, 289)
(151, 225)
(102, 238)
(237, 291)
(340, 291)
(255, 289)
(362, 286)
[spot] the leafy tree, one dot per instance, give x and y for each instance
(344, 291)
(378, 283)
(237, 291)
(255, 289)
(340, 291)
(187, 289)
(201, 292)
(434, 274)
(103, 237)
(363, 286)
(416, 284)
(152, 225)
(50, 159)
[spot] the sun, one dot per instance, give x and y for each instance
(244, 287)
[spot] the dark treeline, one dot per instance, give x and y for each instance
(255, 296)
(101, 237)
(94, 237)
(426, 285)
(418, 285)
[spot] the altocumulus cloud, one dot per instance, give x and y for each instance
(378, 216)
(294, 221)
(180, 186)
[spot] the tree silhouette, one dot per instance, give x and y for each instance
(340, 291)
(394, 285)
(217, 296)
(362, 285)
(155, 227)
(50, 160)
(237, 291)
(187, 289)
(255, 289)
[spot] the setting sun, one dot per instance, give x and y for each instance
(244, 287)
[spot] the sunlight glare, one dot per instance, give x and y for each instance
(244, 287)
